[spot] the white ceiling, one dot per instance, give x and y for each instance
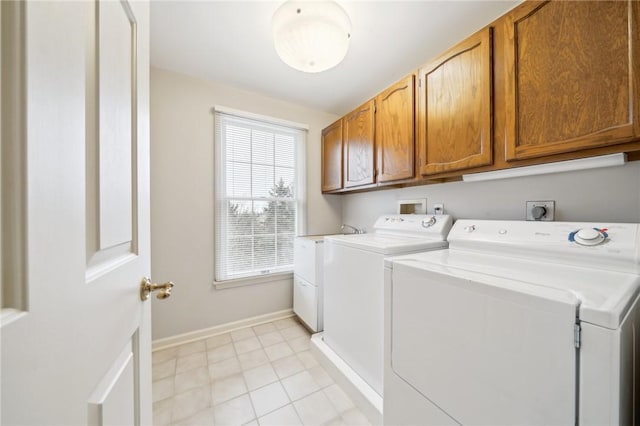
(229, 42)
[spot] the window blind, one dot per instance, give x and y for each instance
(259, 195)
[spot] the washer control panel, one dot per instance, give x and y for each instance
(614, 246)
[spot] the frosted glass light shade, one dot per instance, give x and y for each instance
(311, 36)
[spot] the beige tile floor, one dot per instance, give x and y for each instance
(262, 375)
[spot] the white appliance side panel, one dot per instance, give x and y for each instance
(610, 373)
(630, 369)
(305, 262)
(305, 301)
(320, 285)
(484, 354)
(353, 310)
(599, 382)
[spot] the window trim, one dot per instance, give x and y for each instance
(245, 281)
(301, 195)
(259, 117)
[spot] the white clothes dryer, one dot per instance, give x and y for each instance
(517, 323)
(354, 286)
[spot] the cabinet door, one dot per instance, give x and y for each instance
(571, 76)
(395, 142)
(454, 119)
(305, 302)
(358, 146)
(332, 157)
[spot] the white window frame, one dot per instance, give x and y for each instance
(220, 195)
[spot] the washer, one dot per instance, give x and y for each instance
(516, 323)
(354, 286)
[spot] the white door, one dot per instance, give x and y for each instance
(75, 333)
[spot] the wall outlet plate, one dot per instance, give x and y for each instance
(541, 210)
(438, 208)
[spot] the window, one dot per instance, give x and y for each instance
(259, 194)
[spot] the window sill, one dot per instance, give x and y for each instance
(241, 282)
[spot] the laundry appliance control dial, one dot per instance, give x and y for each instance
(588, 236)
(426, 223)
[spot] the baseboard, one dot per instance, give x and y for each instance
(192, 336)
(367, 400)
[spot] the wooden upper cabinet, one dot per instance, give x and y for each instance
(572, 76)
(454, 108)
(332, 157)
(395, 120)
(359, 162)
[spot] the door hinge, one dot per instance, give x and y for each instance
(576, 335)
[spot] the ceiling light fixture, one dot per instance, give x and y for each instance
(311, 36)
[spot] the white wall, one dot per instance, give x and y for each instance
(182, 202)
(608, 194)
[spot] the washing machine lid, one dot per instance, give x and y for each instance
(604, 297)
(387, 245)
(483, 349)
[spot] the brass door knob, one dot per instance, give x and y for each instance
(146, 287)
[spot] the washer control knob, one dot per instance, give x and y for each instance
(470, 228)
(588, 236)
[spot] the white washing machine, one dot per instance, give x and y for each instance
(354, 286)
(534, 323)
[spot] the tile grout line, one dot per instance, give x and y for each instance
(246, 385)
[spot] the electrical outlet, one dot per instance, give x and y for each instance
(438, 208)
(541, 210)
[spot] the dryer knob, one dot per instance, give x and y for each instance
(470, 228)
(426, 223)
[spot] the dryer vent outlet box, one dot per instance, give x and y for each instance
(412, 206)
(541, 210)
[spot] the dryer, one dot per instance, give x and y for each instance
(516, 323)
(354, 286)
